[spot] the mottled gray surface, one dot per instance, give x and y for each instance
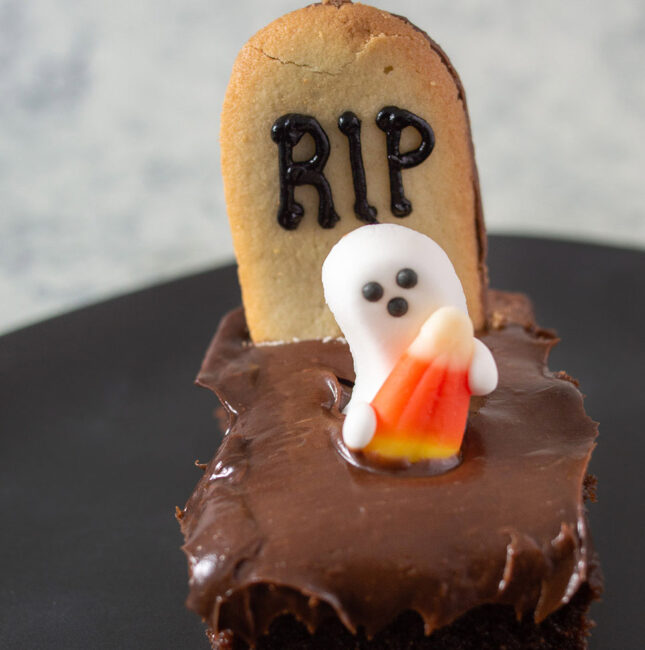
(109, 113)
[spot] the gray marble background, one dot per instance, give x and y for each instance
(109, 115)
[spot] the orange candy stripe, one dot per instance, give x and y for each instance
(422, 409)
(393, 396)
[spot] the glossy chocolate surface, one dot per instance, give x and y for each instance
(281, 521)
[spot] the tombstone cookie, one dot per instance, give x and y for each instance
(338, 115)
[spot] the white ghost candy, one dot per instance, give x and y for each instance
(375, 255)
(382, 282)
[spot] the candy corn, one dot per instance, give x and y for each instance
(422, 407)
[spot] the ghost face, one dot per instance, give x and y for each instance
(382, 282)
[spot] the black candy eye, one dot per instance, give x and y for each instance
(397, 307)
(406, 278)
(372, 291)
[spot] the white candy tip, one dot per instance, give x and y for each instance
(447, 333)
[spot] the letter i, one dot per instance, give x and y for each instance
(350, 125)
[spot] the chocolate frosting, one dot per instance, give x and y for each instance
(281, 522)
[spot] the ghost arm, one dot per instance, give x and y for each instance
(359, 425)
(482, 374)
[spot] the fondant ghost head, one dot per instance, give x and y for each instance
(382, 282)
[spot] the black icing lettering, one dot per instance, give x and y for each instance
(393, 120)
(287, 131)
(350, 125)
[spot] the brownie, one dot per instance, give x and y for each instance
(291, 546)
(489, 627)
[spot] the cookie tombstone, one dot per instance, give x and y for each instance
(338, 115)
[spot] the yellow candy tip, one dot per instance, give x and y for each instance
(411, 450)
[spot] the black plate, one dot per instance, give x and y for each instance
(100, 425)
